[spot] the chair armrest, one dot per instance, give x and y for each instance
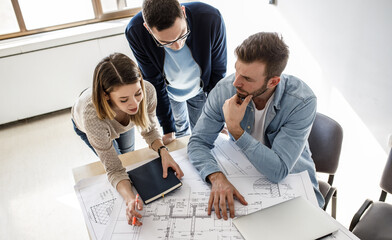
(359, 213)
(328, 197)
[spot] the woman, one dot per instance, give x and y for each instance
(105, 117)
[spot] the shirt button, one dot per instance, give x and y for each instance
(248, 127)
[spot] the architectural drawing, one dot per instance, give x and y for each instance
(268, 189)
(182, 214)
(97, 199)
(101, 211)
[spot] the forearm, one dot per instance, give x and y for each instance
(200, 156)
(200, 145)
(265, 159)
(125, 189)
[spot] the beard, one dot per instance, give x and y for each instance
(243, 94)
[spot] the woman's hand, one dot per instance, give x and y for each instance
(133, 206)
(133, 216)
(168, 161)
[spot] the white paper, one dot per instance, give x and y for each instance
(96, 197)
(182, 214)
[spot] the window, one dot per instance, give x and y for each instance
(25, 17)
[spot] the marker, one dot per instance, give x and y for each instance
(134, 218)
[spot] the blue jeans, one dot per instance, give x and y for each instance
(187, 113)
(125, 143)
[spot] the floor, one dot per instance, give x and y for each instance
(37, 199)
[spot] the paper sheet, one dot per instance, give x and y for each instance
(96, 197)
(183, 213)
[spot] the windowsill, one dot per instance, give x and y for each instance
(15, 46)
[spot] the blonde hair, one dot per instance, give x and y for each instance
(114, 71)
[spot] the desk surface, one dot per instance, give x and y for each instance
(96, 168)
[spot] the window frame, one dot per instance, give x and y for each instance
(100, 16)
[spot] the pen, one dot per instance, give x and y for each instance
(134, 218)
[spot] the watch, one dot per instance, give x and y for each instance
(159, 150)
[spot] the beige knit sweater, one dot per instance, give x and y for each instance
(101, 133)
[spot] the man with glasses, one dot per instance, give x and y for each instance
(181, 50)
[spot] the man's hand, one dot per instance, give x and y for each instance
(234, 111)
(168, 138)
(222, 195)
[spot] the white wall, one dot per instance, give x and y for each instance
(51, 79)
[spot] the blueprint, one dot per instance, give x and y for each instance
(182, 214)
(96, 197)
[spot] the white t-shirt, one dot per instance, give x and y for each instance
(258, 129)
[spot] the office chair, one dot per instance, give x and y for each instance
(325, 142)
(373, 221)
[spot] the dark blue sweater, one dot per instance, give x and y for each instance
(207, 42)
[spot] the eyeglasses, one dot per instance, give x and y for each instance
(172, 42)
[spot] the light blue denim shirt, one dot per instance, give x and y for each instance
(287, 126)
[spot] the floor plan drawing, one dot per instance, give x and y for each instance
(268, 189)
(101, 211)
(182, 214)
(97, 199)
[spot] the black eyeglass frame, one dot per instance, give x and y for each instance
(171, 43)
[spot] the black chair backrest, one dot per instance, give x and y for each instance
(386, 179)
(325, 142)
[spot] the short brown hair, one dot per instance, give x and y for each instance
(161, 14)
(267, 48)
(113, 71)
